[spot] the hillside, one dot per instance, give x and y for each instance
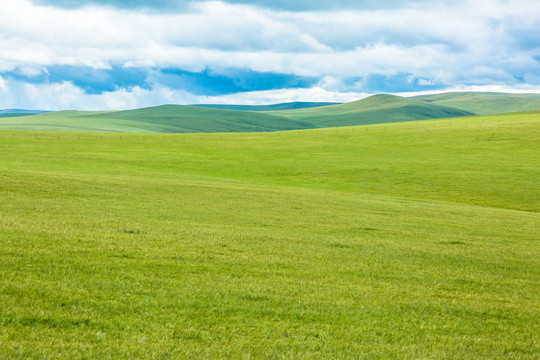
(162, 119)
(485, 103)
(405, 241)
(372, 110)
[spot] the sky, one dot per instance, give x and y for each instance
(114, 54)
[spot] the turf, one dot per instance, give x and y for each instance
(485, 103)
(405, 241)
(372, 110)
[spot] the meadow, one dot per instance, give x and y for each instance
(414, 240)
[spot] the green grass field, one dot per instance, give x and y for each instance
(413, 240)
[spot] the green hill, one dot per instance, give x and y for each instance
(372, 110)
(281, 106)
(485, 103)
(163, 119)
(176, 118)
(296, 116)
(411, 240)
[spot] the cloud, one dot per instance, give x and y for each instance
(286, 5)
(88, 79)
(122, 4)
(65, 95)
(206, 82)
(185, 50)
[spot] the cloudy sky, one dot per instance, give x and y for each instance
(117, 54)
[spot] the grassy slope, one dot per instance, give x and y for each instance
(416, 240)
(282, 106)
(486, 103)
(372, 110)
(164, 119)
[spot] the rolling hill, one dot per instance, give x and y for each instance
(289, 116)
(373, 110)
(281, 106)
(161, 119)
(485, 103)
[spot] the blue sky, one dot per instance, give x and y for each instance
(114, 54)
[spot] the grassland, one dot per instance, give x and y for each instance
(403, 241)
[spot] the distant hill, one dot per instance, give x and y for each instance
(372, 110)
(485, 103)
(19, 112)
(287, 116)
(282, 106)
(164, 119)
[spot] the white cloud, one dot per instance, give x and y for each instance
(61, 96)
(479, 42)
(316, 93)
(243, 36)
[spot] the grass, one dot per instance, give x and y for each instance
(402, 241)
